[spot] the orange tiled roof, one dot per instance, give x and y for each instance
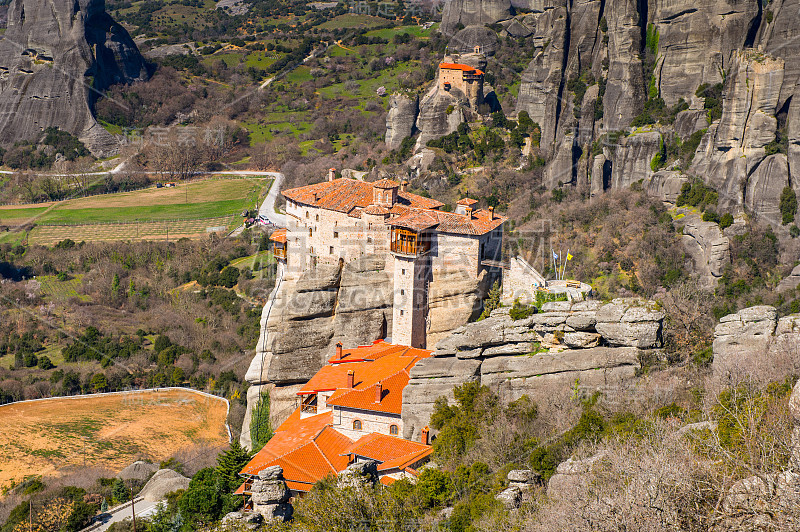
(310, 449)
(392, 452)
(376, 209)
(307, 449)
(459, 66)
(467, 201)
(279, 235)
(344, 195)
(385, 183)
(479, 223)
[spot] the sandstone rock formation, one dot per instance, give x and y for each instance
(466, 40)
(164, 481)
(139, 471)
(520, 486)
(791, 282)
(359, 474)
(632, 158)
(271, 495)
(594, 344)
(473, 13)
(708, 248)
(401, 119)
(440, 114)
(754, 341)
(55, 59)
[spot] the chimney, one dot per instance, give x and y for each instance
(468, 211)
(424, 438)
(491, 213)
(404, 186)
(338, 350)
(351, 379)
(378, 392)
(331, 174)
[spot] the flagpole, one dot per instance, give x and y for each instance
(564, 270)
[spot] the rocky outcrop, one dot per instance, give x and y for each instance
(55, 58)
(571, 475)
(472, 37)
(791, 282)
(763, 194)
(695, 42)
(625, 91)
(359, 474)
(270, 495)
(520, 486)
(632, 158)
(754, 341)
(780, 36)
(708, 248)
(732, 148)
(401, 119)
(665, 185)
(164, 481)
(439, 114)
(138, 471)
(542, 81)
(593, 344)
(473, 13)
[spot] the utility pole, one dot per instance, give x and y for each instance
(84, 451)
(133, 511)
(30, 515)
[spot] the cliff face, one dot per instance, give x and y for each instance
(55, 59)
(586, 345)
(657, 52)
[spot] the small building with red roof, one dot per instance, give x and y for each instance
(349, 411)
(460, 78)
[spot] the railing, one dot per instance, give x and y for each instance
(309, 409)
(279, 252)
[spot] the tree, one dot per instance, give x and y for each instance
(260, 426)
(202, 501)
(230, 463)
(229, 276)
(120, 492)
(493, 301)
(115, 285)
(104, 506)
(45, 363)
(99, 382)
(788, 205)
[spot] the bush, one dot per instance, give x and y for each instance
(725, 221)
(520, 311)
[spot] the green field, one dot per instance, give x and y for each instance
(187, 210)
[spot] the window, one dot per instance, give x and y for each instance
(318, 217)
(310, 231)
(402, 312)
(335, 234)
(402, 292)
(403, 271)
(331, 251)
(369, 240)
(307, 214)
(357, 424)
(393, 430)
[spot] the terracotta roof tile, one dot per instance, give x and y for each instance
(459, 66)
(344, 195)
(385, 183)
(467, 201)
(479, 223)
(391, 451)
(279, 235)
(376, 209)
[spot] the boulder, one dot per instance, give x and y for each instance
(164, 481)
(581, 339)
(792, 281)
(54, 58)
(359, 474)
(139, 470)
(764, 502)
(572, 475)
(248, 520)
(630, 322)
(745, 335)
(523, 476)
(434, 120)
(271, 473)
(709, 249)
(267, 492)
(510, 497)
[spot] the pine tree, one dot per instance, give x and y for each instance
(230, 463)
(104, 506)
(115, 285)
(260, 428)
(493, 301)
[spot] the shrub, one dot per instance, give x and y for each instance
(725, 221)
(520, 311)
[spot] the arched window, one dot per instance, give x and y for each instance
(318, 217)
(306, 214)
(309, 231)
(393, 430)
(357, 424)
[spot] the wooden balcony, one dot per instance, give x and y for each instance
(279, 251)
(309, 405)
(409, 243)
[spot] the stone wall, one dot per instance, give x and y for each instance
(582, 346)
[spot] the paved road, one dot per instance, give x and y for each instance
(143, 509)
(267, 209)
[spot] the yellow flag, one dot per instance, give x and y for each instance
(569, 256)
